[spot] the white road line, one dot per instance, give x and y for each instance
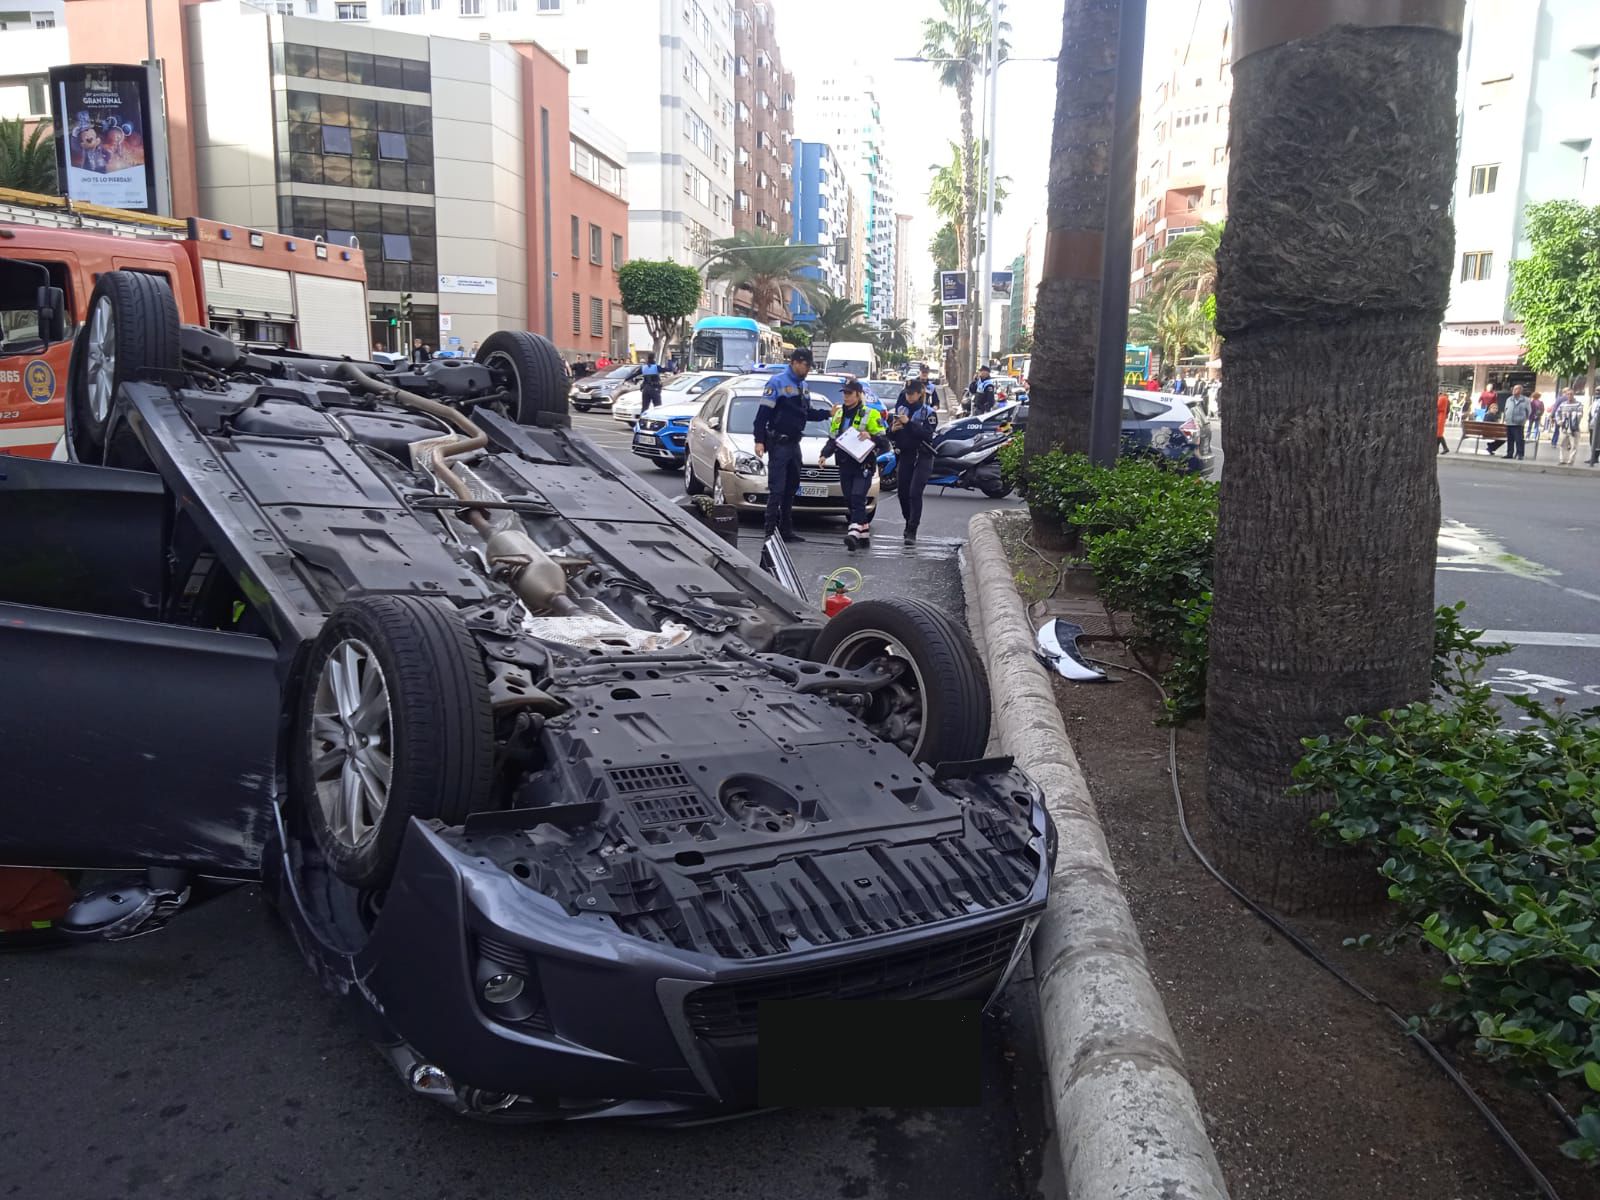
(1520, 637)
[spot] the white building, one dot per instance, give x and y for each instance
(843, 111)
(902, 265)
(30, 14)
(659, 74)
(1529, 121)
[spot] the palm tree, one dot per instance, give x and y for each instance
(1171, 321)
(895, 336)
(1191, 260)
(1066, 324)
(27, 156)
(838, 320)
(960, 36)
(947, 192)
(1333, 274)
(767, 267)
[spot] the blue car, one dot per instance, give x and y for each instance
(1161, 425)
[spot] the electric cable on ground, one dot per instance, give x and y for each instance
(1305, 947)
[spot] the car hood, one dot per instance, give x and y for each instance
(810, 447)
(675, 412)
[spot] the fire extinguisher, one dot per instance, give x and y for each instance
(835, 590)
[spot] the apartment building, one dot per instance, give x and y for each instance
(821, 204)
(763, 124)
(843, 111)
(1183, 146)
(1529, 122)
(902, 266)
(660, 74)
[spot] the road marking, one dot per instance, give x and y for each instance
(1520, 637)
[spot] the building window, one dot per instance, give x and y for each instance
(597, 316)
(396, 247)
(577, 233)
(351, 141)
(508, 5)
(354, 66)
(44, 22)
(350, 12)
(1219, 155)
(400, 8)
(581, 57)
(1222, 114)
(392, 146)
(596, 255)
(472, 8)
(616, 249)
(1216, 195)
(551, 6)
(1476, 264)
(1485, 179)
(336, 140)
(397, 239)
(577, 313)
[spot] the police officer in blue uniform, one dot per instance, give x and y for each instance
(780, 428)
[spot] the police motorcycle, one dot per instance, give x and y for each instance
(966, 454)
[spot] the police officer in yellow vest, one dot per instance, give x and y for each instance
(855, 474)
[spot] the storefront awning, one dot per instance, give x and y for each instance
(1465, 350)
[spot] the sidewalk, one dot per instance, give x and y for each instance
(1543, 465)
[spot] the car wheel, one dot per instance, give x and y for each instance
(691, 485)
(938, 709)
(393, 722)
(132, 326)
(534, 366)
(718, 495)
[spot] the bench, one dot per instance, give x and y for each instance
(1495, 431)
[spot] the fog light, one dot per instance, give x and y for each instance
(503, 988)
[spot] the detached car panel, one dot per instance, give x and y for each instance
(555, 786)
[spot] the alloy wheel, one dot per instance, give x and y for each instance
(102, 364)
(352, 742)
(897, 713)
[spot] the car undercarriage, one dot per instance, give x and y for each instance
(553, 785)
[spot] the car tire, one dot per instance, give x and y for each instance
(691, 485)
(541, 377)
(664, 464)
(949, 697)
(421, 694)
(131, 326)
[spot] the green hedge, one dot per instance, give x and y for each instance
(1148, 532)
(1487, 836)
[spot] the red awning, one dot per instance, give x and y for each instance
(1458, 350)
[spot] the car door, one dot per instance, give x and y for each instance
(129, 742)
(33, 375)
(703, 437)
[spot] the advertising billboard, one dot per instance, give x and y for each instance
(1000, 285)
(952, 287)
(952, 318)
(103, 142)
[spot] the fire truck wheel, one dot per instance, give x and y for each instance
(532, 366)
(131, 327)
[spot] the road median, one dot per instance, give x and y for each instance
(1127, 1123)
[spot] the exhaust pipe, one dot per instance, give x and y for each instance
(538, 579)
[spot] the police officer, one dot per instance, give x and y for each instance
(649, 383)
(981, 392)
(855, 475)
(779, 429)
(930, 394)
(912, 432)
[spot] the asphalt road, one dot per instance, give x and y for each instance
(204, 1061)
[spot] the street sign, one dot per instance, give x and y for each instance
(444, 322)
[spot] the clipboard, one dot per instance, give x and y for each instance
(855, 443)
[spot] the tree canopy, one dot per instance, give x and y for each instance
(795, 335)
(661, 292)
(767, 266)
(1555, 291)
(838, 320)
(27, 156)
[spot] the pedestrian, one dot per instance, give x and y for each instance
(1516, 418)
(855, 473)
(1535, 415)
(672, 365)
(1566, 418)
(1443, 404)
(474, 351)
(419, 352)
(929, 396)
(649, 383)
(1594, 432)
(912, 432)
(981, 392)
(1488, 397)
(779, 429)
(1177, 385)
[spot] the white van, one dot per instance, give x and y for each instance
(852, 358)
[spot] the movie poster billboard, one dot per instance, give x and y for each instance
(102, 119)
(952, 287)
(952, 318)
(949, 340)
(1000, 286)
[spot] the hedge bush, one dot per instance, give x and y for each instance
(1148, 532)
(1487, 835)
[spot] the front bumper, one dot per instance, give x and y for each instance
(616, 1026)
(748, 493)
(662, 443)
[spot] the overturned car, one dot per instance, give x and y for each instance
(551, 784)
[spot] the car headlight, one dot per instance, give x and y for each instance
(748, 464)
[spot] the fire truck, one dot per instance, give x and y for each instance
(258, 287)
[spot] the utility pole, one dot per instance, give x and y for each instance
(994, 162)
(1116, 267)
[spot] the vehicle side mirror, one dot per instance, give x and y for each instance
(52, 305)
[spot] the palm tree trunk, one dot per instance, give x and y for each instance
(1067, 308)
(1333, 277)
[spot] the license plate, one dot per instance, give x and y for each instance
(816, 491)
(643, 439)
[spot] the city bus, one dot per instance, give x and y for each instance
(732, 344)
(1135, 365)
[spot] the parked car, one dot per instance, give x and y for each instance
(553, 787)
(385, 359)
(722, 458)
(598, 391)
(885, 391)
(677, 390)
(1163, 425)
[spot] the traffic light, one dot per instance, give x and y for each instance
(405, 306)
(394, 322)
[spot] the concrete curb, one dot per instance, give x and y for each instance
(1128, 1126)
(1487, 462)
